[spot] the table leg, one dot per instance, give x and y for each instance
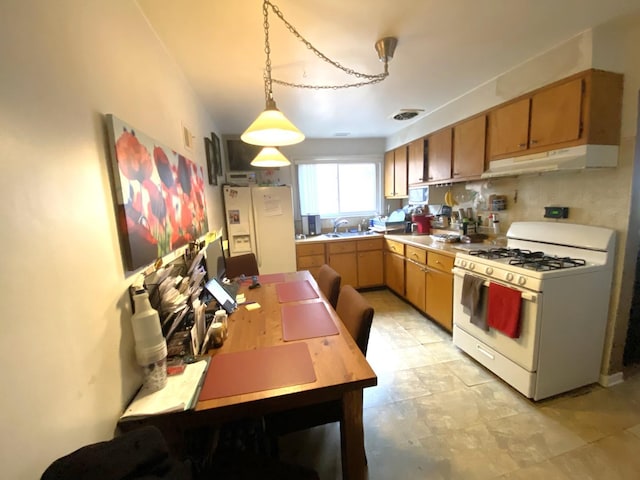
(352, 437)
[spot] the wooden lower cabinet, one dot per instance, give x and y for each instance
(415, 285)
(310, 257)
(341, 256)
(394, 266)
(370, 263)
(439, 293)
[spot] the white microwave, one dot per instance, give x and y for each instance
(418, 195)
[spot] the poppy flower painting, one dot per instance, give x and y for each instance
(160, 197)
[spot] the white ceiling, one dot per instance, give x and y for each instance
(445, 48)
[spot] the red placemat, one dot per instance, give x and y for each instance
(271, 278)
(306, 320)
(256, 370)
(294, 291)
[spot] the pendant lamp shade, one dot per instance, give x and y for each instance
(272, 129)
(270, 157)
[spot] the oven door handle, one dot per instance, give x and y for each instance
(528, 296)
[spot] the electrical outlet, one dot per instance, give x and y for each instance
(556, 212)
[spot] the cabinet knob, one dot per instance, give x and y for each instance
(455, 173)
(533, 142)
(522, 145)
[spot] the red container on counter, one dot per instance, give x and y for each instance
(422, 222)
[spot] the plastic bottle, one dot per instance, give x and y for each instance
(151, 347)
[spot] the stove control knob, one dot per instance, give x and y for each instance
(463, 263)
(488, 270)
(472, 266)
(509, 277)
(522, 281)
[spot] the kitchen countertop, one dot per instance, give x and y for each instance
(415, 239)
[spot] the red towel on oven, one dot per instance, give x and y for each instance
(503, 309)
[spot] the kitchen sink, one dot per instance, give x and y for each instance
(348, 234)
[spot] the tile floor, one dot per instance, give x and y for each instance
(436, 414)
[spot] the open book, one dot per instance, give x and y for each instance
(179, 394)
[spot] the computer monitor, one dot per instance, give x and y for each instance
(215, 260)
(226, 301)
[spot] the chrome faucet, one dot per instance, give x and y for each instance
(338, 222)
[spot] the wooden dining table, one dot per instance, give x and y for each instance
(338, 369)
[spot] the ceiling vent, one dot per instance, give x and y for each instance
(407, 114)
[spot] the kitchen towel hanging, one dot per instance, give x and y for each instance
(503, 309)
(472, 299)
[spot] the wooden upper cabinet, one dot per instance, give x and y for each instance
(556, 114)
(509, 128)
(395, 173)
(389, 165)
(583, 109)
(439, 150)
(400, 171)
(469, 148)
(416, 164)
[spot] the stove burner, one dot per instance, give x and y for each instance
(528, 259)
(502, 253)
(545, 263)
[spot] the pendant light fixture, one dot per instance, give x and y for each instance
(270, 157)
(272, 129)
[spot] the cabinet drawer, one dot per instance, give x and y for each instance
(308, 261)
(394, 246)
(370, 244)
(310, 249)
(416, 254)
(440, 262)
(341, 247)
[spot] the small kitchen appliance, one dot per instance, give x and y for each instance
(422, 222)
(311, 224)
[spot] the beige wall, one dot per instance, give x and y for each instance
(66, 344)
(599, 197)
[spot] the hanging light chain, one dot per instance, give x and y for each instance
(268, 86)
(371, 79)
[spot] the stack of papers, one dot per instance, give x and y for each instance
(180, 393)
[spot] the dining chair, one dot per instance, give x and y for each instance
(357, 315)
(241, 264)
(329, 283)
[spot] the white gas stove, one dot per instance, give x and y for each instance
(563, 273)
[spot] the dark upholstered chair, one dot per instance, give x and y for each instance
(143, 454)
(242, 264)
(329, 283)
(357, 315)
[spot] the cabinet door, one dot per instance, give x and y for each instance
(556, 113)
(439, 301)
(439, 155)
(370, 269)
(416, 162)
(346, 264)
(394, 272)
(400, 171)
(415, 285)
(509, 128)
(389, 188)
(469, 147)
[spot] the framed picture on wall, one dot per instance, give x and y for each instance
(209, 150)
(216, 153)
(158, 192)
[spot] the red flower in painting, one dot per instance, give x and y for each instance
(163, 166)
(133, 158)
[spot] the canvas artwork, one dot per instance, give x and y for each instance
(159, 194)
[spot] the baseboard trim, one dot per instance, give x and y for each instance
(611, 380)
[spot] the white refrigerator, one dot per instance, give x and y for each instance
(260, 220)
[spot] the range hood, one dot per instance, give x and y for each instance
(572, 158)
